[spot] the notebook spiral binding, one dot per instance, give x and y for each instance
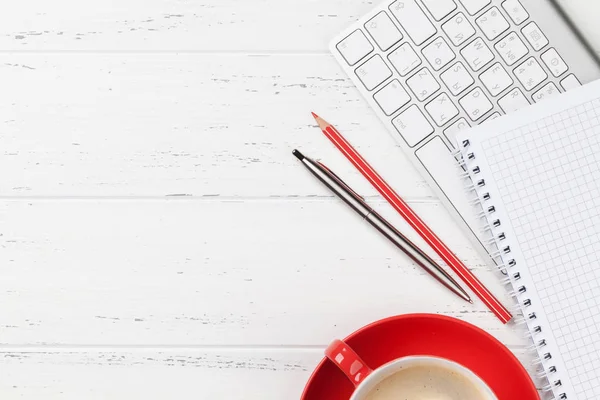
(500, 249)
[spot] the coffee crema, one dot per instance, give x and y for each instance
(426, 382)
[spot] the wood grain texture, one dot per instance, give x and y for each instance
(156, 373)
(212, 272)
(177, 25)
(232, 374)
(157, 239)
(160, 125)
(289, 26)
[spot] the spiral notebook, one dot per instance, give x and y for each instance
(536, 173)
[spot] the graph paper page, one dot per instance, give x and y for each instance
(542, 170)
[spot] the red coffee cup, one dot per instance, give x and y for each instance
(431, 335)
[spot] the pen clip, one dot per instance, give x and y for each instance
(340, 181)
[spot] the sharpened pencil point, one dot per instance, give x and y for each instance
(471, 301)
(321, 122)
(314, 115)
(298, 155)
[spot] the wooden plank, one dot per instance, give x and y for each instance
(176, 26)
(143, 125)
(178, 272)
(161, 373)
(156, 374)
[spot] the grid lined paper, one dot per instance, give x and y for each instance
(548, 174)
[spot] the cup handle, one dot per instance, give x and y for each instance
(348, 361)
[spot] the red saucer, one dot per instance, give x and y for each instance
(427, 334)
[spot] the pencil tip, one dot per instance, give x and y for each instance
(298, 155)
(321, 122)
(471, 301)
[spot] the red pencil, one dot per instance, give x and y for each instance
(413, 219)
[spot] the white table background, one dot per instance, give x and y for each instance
(157, 237)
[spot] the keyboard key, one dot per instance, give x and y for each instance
(511, 48)
(491, 117)
(423, 84)
(441, 109)
(457, 78)
(440, 8)
(530, 73)
(492, 23)
(413, 20)
(477, 54)
(355, 47)
(438, 53)
(435, 156)
(458, 29)
(496, 79)
(476, 104)
(373, 73)
(554, 62)
(392, 97)
(412, 125)
(549, 90)
(383, 30)
(474, 6)
(404, 59)
(456, 127)
(534, 36)
(570, 82)
(513, 101)
(515, 11)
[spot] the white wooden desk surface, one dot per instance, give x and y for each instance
(157, 238)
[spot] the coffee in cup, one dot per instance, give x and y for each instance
(427, 380)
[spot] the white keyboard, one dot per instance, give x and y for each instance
(431, 68)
